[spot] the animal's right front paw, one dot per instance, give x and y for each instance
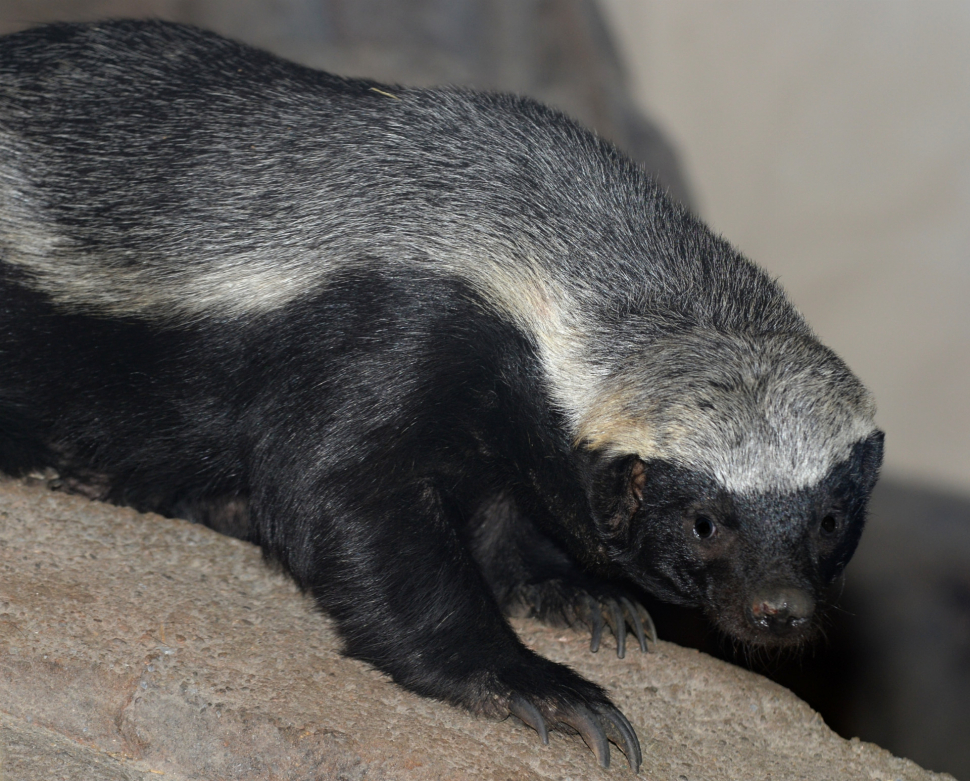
(616, 610)
(586, 602)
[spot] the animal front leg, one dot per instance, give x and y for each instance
(410, 600)
(533, 577)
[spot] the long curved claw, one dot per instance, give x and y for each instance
(596, 618)
(633, 618)
(587, 725)
(618, 625)
(620, 731)
(528, 714)
(602, 726)
(649, 622)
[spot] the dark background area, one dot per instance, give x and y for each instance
(894, 668)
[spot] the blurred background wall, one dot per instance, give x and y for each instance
(830, 141)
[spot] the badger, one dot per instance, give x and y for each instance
(445, 355)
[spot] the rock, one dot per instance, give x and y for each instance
(32, 753)
(135, 647)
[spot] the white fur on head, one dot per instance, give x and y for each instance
(758, 413)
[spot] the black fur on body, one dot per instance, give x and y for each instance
(444, 355)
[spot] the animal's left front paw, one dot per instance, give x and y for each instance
(598, 725)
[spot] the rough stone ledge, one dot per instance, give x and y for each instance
(136, 647)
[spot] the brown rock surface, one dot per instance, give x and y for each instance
(136, 647)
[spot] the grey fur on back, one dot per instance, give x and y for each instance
(647, 325)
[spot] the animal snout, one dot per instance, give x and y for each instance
(781, 611)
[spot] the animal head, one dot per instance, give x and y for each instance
(742, 486)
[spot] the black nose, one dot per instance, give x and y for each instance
(781, 611)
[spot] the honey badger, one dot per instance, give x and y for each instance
(444, 355)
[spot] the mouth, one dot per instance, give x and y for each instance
(765, 637)
(779, 617)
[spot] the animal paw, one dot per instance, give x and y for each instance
(617, 611)
(598, 726)
(594, 605)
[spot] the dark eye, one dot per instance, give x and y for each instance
(829, 525)
(704, 527)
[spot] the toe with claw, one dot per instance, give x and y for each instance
(618, 612)
(597, 725)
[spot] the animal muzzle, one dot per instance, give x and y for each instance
(782, 612)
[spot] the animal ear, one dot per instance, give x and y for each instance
(617, 493)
